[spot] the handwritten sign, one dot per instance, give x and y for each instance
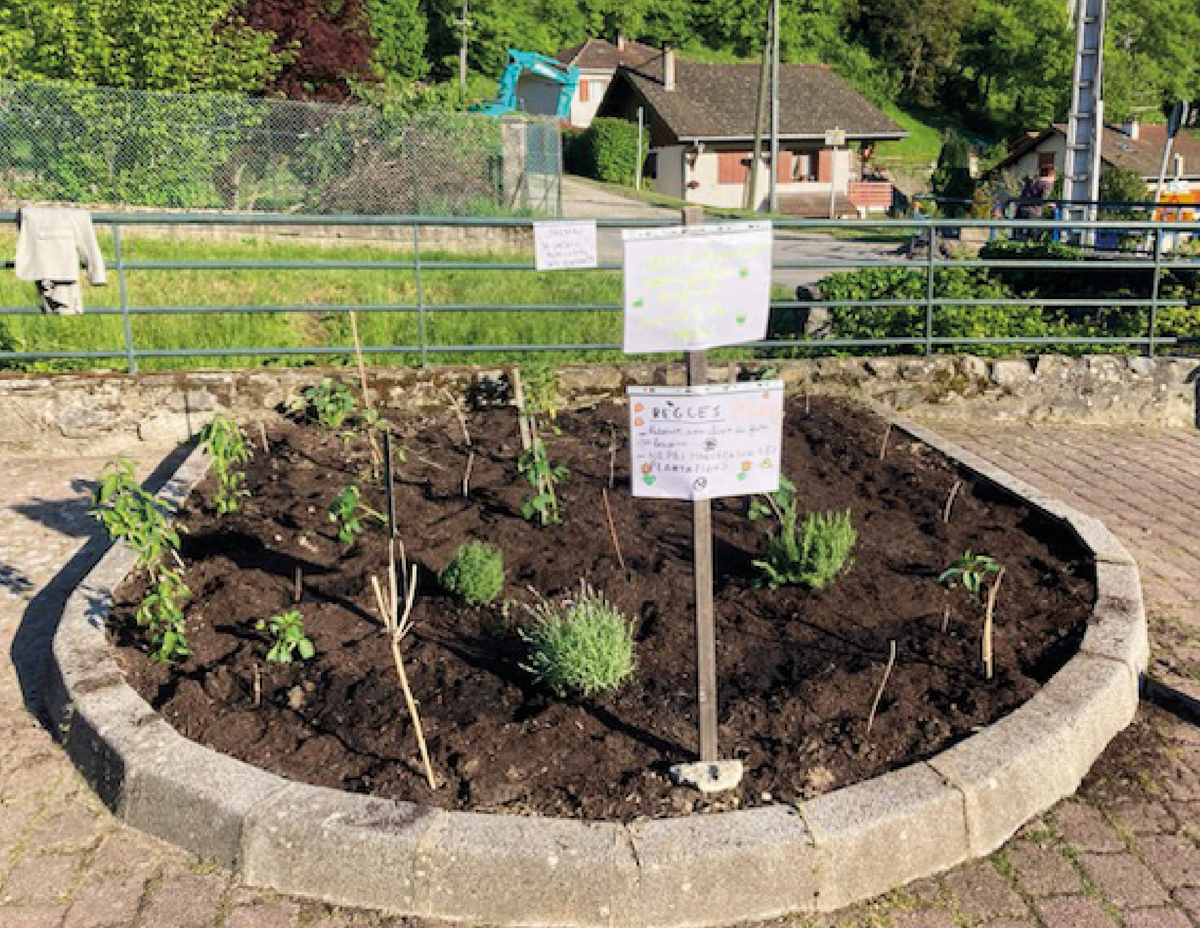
(693, 288)
(561, 245)
(706, 441)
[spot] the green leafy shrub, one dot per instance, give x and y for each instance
(608, 151)
(161, 611)
(581, 647)
(476, 574)
(130, 514)
(347, 512)
(227, 446)
(813, 557)
(327, 403)
(287, 628)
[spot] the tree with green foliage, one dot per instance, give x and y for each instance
(148, 44)
(1122, 185)
(916, 40)
(1149, 55)
(952, 180)
(398, 27)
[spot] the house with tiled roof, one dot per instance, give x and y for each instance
(700, 117)
(1138, 147)
(598, 61)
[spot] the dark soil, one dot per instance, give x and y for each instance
(798, 669)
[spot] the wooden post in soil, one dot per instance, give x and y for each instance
(706, 636)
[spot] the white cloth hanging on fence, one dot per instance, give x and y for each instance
(50, 244)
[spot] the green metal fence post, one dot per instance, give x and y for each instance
(929, 293)
(123, 292)
(1154, 291)
(420, 292)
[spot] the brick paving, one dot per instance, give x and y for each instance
(1121, 854)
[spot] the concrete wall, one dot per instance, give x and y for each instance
(94, 412)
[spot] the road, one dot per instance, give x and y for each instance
(585, 200)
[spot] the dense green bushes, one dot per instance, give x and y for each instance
(606, 151)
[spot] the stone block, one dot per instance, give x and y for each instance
(1104, 545)
(193, 797)
(513, 870)
(716, 869)
(1023, 764)
(338, 846)
(1118, 632)
(1011, 371)
(885, 832)
(1118, 580)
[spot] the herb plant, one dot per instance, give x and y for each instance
(581, 647)
(227, 446)
(813, 556)
(476, 574)
(542, 475)
(347, 511)
(161, 611)
(971, 570)
(287, 628)
(130, 514)
(329, 403)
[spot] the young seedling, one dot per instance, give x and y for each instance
(397, 623)
(813, 556)
(162, 613)
(227, 447)
(130, 514)
(287, 630)
(974, 571)
(971, 570)
(543, 475)
(347, 511)
(329, 403)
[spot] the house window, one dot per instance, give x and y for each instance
(591, 91)
(733, 167)
(804, 166)
(1045, 160)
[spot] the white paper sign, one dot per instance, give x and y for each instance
(706, 441)
(687, 289)
(561, 245)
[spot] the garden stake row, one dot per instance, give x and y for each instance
(887, 672)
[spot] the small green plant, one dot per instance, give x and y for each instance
(816, 555)
(287, 628)
(130, 514)
(347, 511)
(329, 403)
(476, 574)
(971, 570)
(543, 475)
(543, 392)
(161, 611)
(579, 647)
(227, 446)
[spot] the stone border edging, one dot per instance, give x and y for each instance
(700, 870)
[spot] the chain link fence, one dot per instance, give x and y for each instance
(110, 146)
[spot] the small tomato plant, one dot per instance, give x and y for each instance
(543, 475)
(347, 511)
(227, 446)
(287, 628)
(162, 613)
(971, 570)
(329, 403)
(130, 514)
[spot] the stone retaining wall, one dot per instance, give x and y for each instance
(96, 410)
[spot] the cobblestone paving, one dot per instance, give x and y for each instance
(1122, 853)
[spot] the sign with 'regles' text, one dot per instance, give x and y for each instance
(703, 442)
(699, 287)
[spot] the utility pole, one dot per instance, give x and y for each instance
(462, 53)
(774, 197)
(760, 115)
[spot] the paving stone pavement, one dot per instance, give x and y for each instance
(1123, 853)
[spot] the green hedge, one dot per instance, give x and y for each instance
(606, 151)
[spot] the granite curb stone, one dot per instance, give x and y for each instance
(699, 870)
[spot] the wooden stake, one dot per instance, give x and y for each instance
(257, 687)
(612, 530)
(518, 392)
(388, 489)
(882, 683)
(296, 591)
(466, 482)
(262, 437)
(706, 635)
(986, 647)
(462, 419)
(883, 447)
(950, 500)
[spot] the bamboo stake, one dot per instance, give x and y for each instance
(257, 687)
(372, 444)
(950, 500)
(882, 683)
(262, 437)
(398, 625)
(466, 481)
(462, 419)
(986, 647)
(883, 447)
(299, 579)
(612, 529)
(518, 392)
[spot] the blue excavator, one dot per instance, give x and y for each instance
(521, 63)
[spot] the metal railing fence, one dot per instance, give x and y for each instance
(64, 143)
(1106, 316)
